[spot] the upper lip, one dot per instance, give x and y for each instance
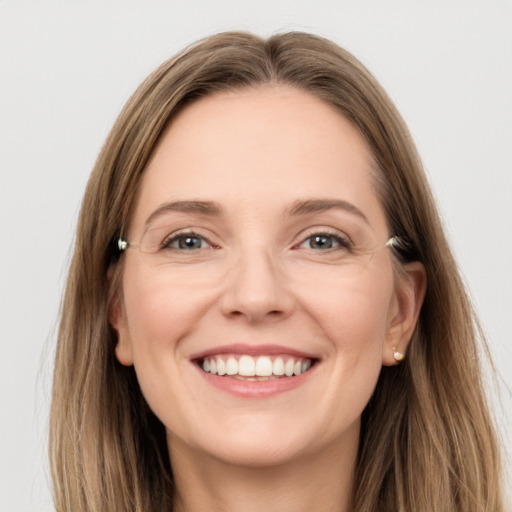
(252, 350)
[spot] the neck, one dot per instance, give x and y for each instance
(321, 481)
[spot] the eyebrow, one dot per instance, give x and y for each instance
(298, 208)
(210, 208)
(309, 206)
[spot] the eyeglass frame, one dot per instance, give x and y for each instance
(396, 242)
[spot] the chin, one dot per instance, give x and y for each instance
(257, 453)
(263, 442)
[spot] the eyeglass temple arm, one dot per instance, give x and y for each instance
(397, 242)
(122, 244)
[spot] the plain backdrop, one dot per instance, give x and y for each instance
(67, 67)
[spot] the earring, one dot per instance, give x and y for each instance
(398, 356)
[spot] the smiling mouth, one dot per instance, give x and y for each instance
(248, 368)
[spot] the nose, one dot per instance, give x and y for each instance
(256, 290)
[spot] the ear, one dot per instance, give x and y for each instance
(117, 318)
(410, 292)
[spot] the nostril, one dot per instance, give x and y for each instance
(254, 315)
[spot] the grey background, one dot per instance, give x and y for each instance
(67, 67)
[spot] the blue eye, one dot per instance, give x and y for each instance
(186, 242)
(324, 242)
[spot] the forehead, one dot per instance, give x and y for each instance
(261, 148)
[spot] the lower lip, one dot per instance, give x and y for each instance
(255, 388)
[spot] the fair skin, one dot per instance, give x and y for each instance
(260, 184)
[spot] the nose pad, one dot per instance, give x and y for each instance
(256, 290)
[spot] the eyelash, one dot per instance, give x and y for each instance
(167, 243)
(341, 241)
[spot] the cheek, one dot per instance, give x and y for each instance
(354, 319)
(159, 312)
(356, 335)
(159, 316)
(354, 314)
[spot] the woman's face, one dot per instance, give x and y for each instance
(260, 255)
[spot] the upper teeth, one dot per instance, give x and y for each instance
(248, 366)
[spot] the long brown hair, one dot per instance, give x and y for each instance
(427, 441)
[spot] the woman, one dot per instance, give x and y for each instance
(262, 311)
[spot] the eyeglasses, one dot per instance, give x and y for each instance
(190, 247)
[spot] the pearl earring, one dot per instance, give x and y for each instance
(397, 356)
